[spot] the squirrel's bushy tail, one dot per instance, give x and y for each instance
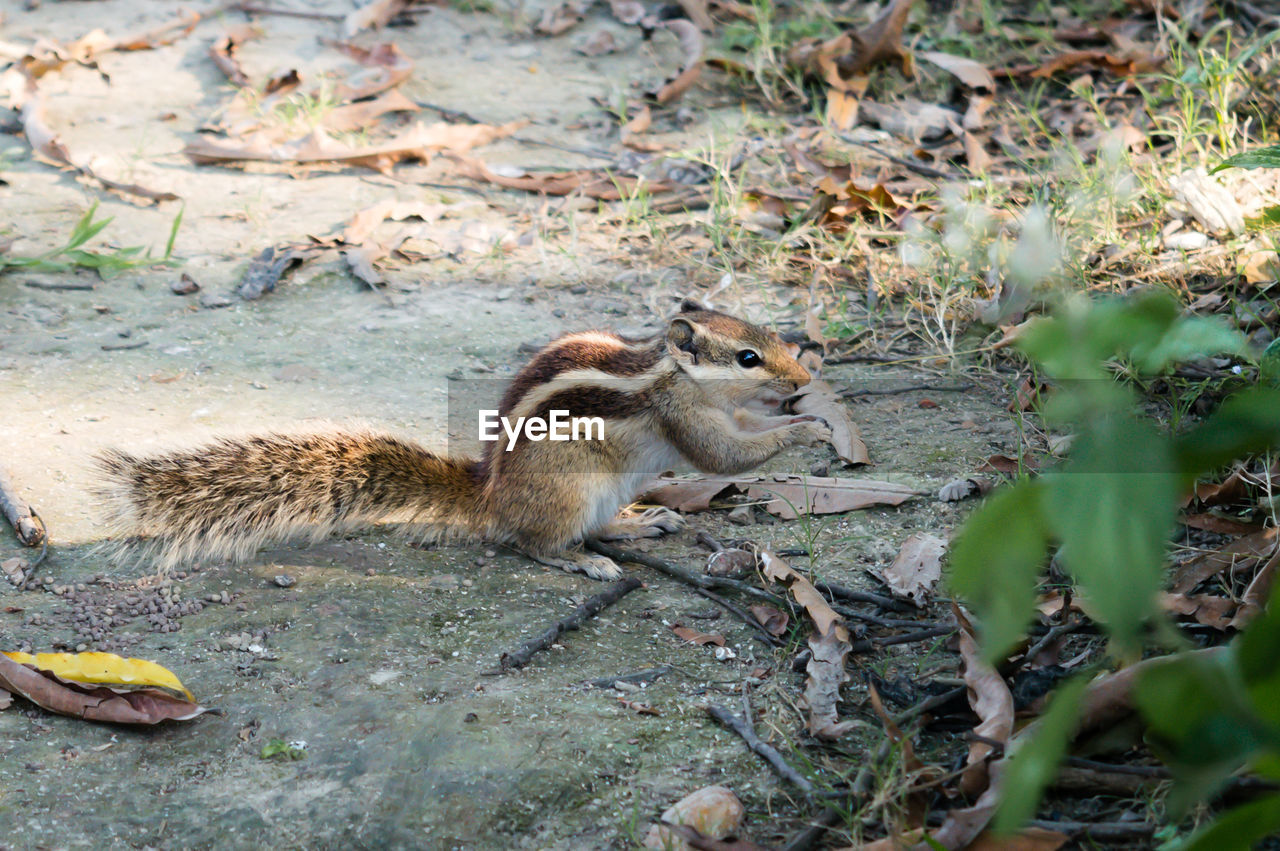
(228, 498)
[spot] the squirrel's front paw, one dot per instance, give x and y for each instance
(811, 432)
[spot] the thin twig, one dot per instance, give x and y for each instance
(21, 516)
(520, 657)
(915, 165)
(910, 388)
(833, 590)
(744, 616)
(906, 638)
(253, 9)
(646, 676)
(1111, 831)
(746, 730)
(711, 583)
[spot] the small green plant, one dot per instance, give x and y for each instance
(107, 264)
(1110, 510)
(283, 751)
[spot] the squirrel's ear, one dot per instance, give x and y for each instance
(682, 339)
(691, 305)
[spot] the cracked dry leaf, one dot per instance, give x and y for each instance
(98, 687)
(822, 688)
(918, 567)
(820, 399)
(1208, 609)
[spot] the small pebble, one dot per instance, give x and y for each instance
(284, 580)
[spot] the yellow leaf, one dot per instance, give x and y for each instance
(106, 669)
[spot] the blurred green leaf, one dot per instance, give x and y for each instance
(1269, 218)
(1257, 158)
(1247, 422)
(1199, 721)
(1241, 827)
(995, 561)
(1257, 655)
(1113, 508)
(1033, 765)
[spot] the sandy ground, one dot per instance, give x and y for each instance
(374, 657)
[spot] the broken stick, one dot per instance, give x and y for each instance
(747, 731)
(24, 520)
(520, 657)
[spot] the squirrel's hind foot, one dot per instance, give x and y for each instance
(651, 523)
(592, 565)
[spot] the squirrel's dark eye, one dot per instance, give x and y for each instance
(748, 359)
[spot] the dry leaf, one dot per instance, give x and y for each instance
(917, 568)
(1027, 839)
(356, 116)
(117, 704)
(822, 688)
(819, 399)
(787, 496)
(829, 646)
(695, 637)
(1123, 63)
(971, 73)
(1207, 609)
(1008, 466)
(857, 51)
(223, 53)
(992, 702)
(1241, 554)
(1231, 489)
(561, 17)
(774, 621)
(374, 15)
(1219, 524)
(592, 184)
(691, 43)
(47, 144)
(416, 143)
(639, 708)
(815, 605)
(265, 270)
(386, 68)
(914, 120)
(597, 44)
(1257, 593)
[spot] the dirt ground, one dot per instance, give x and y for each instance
(374, 656)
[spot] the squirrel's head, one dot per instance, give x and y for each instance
(740, 363)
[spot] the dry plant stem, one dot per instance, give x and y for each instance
(833, 590)
(907, 638)
(688, 577)
(25, 522)
(520, 657)
(911, 388)
(746, 730)
(918, 167)
(254, 9)
(1106, 831)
